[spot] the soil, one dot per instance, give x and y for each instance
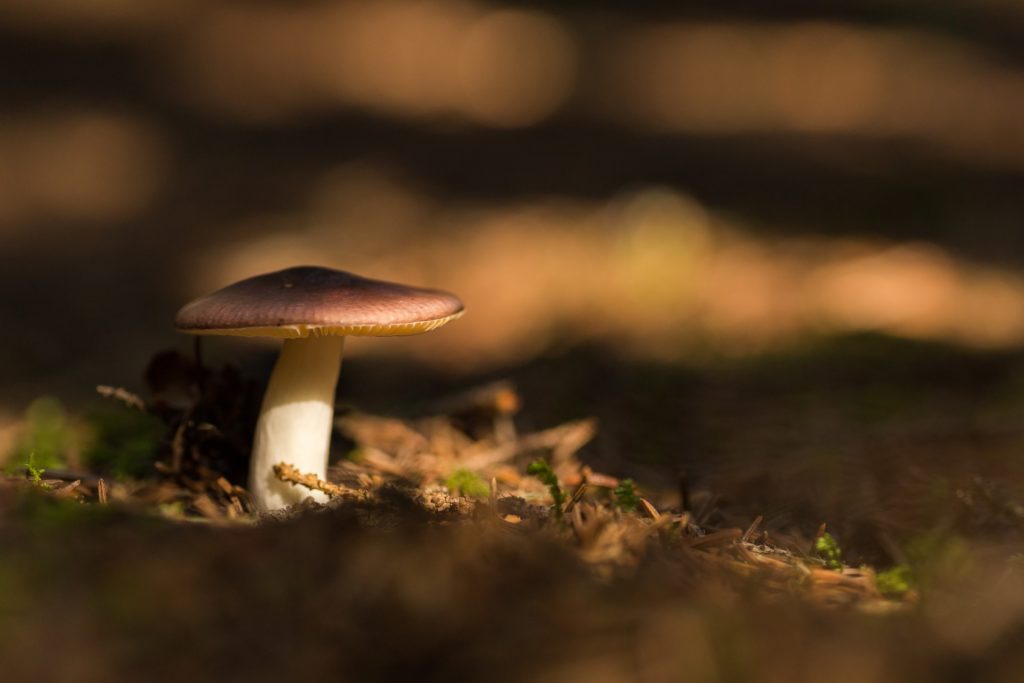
(704, 570)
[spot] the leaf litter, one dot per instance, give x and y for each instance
(525, 483)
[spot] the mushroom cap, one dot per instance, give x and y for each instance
(309, 301)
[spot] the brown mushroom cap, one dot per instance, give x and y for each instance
(309, 301)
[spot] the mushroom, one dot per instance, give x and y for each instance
(313, 309)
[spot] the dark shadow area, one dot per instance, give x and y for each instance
(221, 176)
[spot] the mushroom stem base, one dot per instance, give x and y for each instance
(296, 420)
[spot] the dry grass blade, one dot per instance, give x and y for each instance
(597, 478)
(386, 434)
(572, 437)
(585, 523)
(379, 460)
(717, 538)
(849, 577)
(69, 490)
(178, 445)
(577, 496)
(497, 398)
(752, 529)
(206, 507)
(101, 492)
(649, 508)
(226, 487)
(562, 441)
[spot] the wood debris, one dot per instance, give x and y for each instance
(287, 473)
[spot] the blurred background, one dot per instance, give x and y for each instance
(736, 234)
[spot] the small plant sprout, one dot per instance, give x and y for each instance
(48, 436)
(464, 482)
(827, 548)
(895, 582)
(626, 496)
(35, 474)
(542, 470)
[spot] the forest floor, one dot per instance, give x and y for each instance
(458, 545)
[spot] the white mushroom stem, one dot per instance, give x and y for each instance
(296, 420)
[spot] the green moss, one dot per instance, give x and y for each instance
(542, 470)
(34, 473)
(47, 438)
(117, 441)
(45, 513)
(467, 483)
(125, 442)
(827, 548)
(626, 496)
(939, 556)
(895, 581)
(174, 509)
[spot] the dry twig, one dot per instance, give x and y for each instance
(288, 473)
(723, 537)
(752, 529)
(563, 441)
(122, 395)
